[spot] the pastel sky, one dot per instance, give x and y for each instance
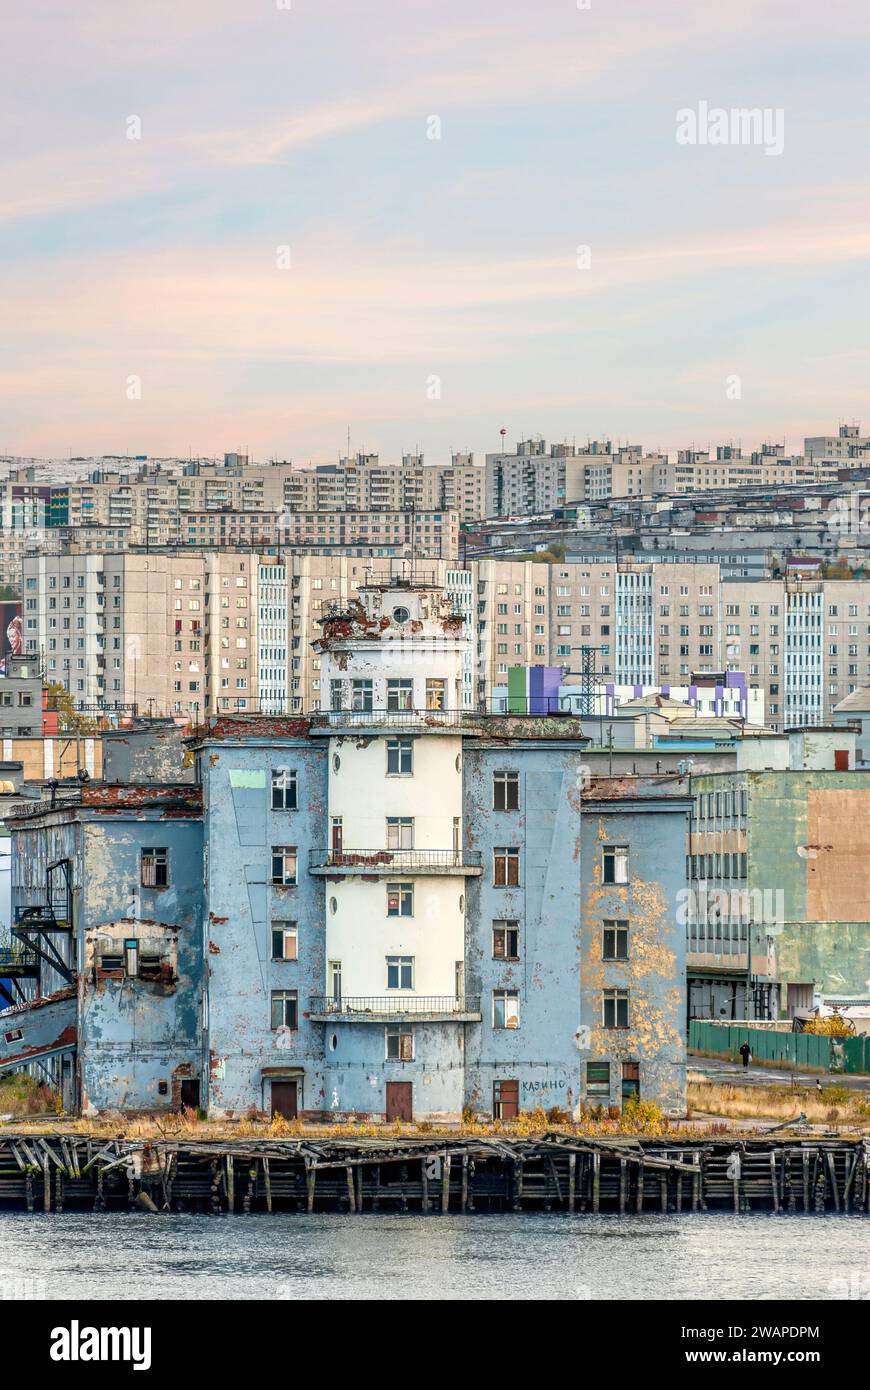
(413, 258)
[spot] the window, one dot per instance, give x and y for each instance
(436, 694)
(284, 865)
(400, 899)
(506, 867)
(615, 859)
(615, 1008)
(362, 696)
(505, 1008)
(399, 1043)
(630, 1080)
(155, 868)
(284, 940)
(400, 832)
(283, 789)
(614, 944)
(598, 1081)
(505, 791)
(400, 757)
(400, 694)
(400, 972)
(505, 940)
(285, 1008)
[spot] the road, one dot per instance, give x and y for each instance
(735, 1074)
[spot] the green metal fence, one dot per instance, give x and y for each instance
(805, 1050)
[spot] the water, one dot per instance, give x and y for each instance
(537, 1256)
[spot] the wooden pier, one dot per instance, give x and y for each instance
(554, 1172)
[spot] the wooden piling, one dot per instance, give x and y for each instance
(351, 1195)
(445, 1183)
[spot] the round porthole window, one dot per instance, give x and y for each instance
(401, 615)
(333, 1042)
(333, 905)
(458, 763)
(336, 762)
(461, 902)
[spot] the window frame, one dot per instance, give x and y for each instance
(158, 856)
(400, 746)
(404, 892)
(508, 926)
(284, 881)
(510, 855)
(506, 787)
(286, 930)
(505, 998)
(404, 968)
(285, 789)
(617, 927)
(614, 851)
(284, 997)
(615, 998)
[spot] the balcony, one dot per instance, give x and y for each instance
(388, 863)
(387, 720)
(417, 1008)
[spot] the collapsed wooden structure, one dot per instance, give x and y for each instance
(553, 1172)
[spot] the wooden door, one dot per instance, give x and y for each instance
(399, 1100)
(285, 1099)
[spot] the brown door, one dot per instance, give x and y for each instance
(284, 1099)
(399, 1100)
(506, 1100)
(190, 1094)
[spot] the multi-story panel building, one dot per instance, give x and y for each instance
(776, 868)
(448, 902)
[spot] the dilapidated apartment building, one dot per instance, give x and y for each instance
(394, 908)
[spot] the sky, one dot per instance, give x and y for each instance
(261, 224)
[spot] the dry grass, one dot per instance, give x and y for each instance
(834, 1107)
(725, 1106)
(22, 1095)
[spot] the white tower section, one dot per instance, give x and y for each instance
(394, 866)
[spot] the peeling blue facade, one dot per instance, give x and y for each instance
(132, 950)
(229, 1000)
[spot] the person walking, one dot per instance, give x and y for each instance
(746, 1053)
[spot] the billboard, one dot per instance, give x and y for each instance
(11, 640)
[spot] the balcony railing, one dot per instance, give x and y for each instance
(367, 1007)
(395, 861)
(391, 718)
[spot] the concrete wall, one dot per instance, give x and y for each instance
(136, 1033)
(541, 1054)
(655, 973)
(808, 837)
(240, 829)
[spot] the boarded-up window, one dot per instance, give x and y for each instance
(155, 867)
(506, 867)
(598, 1081)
